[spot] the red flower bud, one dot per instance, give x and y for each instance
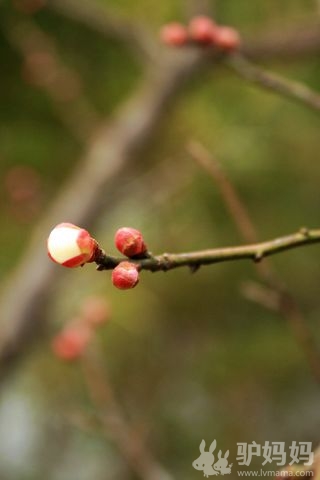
(227, 38)
(71, 246)
(174, 34)
(71, 342)
(129, 241)
(202, 29)
(125, 275)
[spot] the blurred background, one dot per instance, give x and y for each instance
(188, 356)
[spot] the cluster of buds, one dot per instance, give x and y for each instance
(72, 246)
(201, 30)
(72, 341)
(130, 243)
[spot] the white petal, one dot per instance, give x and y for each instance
(62, 244)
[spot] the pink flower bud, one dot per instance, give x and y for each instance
(71, 342)
(71, 246)
(202, 29)
(129, 241)
(174, 34)
(227, 38)
(125, 275)
(95, 311)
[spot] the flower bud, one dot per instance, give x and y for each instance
(129, 241)
(202, 29)
(174, 34)
(71, 246)
(71, 342)
(227, 38)
(125, 275)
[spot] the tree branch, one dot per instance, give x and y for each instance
(279, 44)
(276, 296)
(268, 80)
(130, 444)
(112, 150)
(231, 198)
(255, 252)
(295, 42)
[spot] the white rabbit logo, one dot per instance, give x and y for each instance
(222, 464)
(206, 459)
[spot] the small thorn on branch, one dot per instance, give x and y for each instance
(258, 256)
(194, 268)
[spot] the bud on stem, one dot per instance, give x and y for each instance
(71, 246)
(125, 276)
(130, 242)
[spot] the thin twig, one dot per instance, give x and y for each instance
(276, 83)
(231, 197)
(261, 294)
(255, 252)
(233, 201)
(276, 296)
(297, 41)
(130, 444)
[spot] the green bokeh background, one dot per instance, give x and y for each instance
(188, 355)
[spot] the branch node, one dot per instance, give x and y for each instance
(258, 256)
(100, 268)
(166, 262)
(305, 232)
